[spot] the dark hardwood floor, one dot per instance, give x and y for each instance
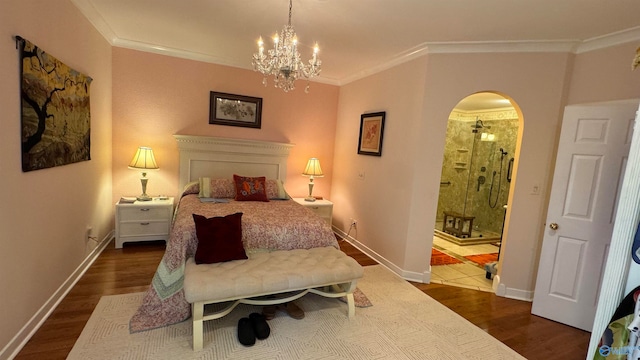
(130, 269)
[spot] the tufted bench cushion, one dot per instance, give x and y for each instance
(268, 273)
(325, 271)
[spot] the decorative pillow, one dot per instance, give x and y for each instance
(205, 187)
(218, 188)
(276, 191)
(219, 238)
(223, 189)
(191, 188)
(250, 188)
(226, 189)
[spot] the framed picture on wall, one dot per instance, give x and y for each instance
(371, 131)
(235, 110)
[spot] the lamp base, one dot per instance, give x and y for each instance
(309, 198)
(144, 196)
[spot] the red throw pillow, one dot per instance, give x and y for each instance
(219, 238)
(250, 188)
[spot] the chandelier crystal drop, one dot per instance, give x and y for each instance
(283, 61)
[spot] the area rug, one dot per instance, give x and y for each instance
(403, 323)
(482, 259)
(440, 258)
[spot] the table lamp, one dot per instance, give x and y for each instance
(312, 170)
(144, 159)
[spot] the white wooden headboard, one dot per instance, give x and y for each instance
(215, 157)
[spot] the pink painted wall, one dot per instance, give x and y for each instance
(381, 201)
(604, 75)
(540, 84)
(536, 82)
(45, 212)
(156, 96)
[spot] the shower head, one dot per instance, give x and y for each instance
(478, 125)
(503, 153)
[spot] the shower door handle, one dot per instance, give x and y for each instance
(553, 226)
(509, 170)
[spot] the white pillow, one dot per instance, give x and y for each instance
(205, 187)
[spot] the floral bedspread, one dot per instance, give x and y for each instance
(273, 225)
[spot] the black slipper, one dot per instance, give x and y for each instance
(260, 327)
(246, 335)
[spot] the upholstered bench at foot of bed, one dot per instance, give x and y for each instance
(325, 271)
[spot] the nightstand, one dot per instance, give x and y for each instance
(143, 221)
(324, 208)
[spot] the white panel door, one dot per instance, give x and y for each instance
(590, 164)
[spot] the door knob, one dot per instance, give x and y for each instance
(553, 226)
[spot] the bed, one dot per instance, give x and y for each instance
(277, 224)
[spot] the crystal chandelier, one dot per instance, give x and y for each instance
(283, 61)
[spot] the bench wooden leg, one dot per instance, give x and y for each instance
(352, 305)
(197, 311)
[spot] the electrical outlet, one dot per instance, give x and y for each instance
(89, 234)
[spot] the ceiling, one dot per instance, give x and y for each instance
(360, 37)
(483, 101)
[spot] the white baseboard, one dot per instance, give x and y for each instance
(517, 294)
(20, 339)
(407, 275)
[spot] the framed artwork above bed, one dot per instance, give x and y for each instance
(235, 110)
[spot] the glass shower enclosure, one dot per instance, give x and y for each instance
(475, 180)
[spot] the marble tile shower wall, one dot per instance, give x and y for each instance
(467, 159)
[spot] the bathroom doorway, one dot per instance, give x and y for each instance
(476, 174)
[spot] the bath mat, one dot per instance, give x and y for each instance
(440, 258)
(482, 259)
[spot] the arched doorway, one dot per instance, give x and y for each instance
(477, 170)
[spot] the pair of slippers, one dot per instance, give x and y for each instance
(251, 328)
(290, 308)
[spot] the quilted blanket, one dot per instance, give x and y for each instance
(273, 225)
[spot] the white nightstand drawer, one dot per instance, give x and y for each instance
(144, 228)
(143, 221)
(323, 208)
(144, 213)
(322, 211)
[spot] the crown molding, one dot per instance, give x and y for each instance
(169, 51)
(196, 56)
(90, 13)
(613, 39)
(569, 45)
(487, 114)
(462, 47)
(398, 59)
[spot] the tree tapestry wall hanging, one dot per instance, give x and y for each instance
(56, 121)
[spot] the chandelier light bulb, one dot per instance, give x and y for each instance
(260, 46)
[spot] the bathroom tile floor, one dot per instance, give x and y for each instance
(468, 274)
